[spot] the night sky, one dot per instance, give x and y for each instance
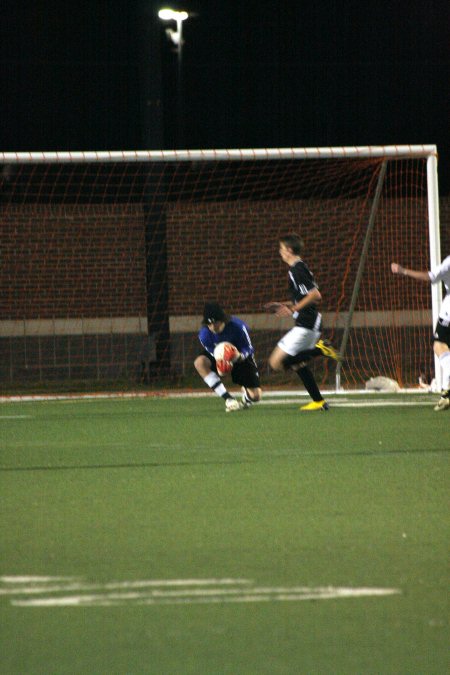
(102, 75)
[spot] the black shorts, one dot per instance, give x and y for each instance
(244, 373)
(442, 332)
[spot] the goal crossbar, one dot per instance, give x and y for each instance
(388, 151)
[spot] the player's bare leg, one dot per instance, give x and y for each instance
(277, 359)
(203, 366)
(442, 351)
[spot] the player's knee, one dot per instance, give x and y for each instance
(440, 348)
(275, 363)
(201, 364)
(255, 395)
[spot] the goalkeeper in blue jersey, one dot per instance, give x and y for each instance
(219, 327)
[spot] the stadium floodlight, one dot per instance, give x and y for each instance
(176, 37)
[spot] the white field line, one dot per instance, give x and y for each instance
(74, 585)
(188, 394)
(32, 579)
(206, 596)
(14, 417)
(166, 591)
(347, 404)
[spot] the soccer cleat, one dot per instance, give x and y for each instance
(231, 405)
(316, 405)
(444, 401)
(328, 350)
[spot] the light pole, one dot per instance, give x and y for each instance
(176, 37)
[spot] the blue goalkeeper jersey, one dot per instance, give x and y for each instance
(235, 331)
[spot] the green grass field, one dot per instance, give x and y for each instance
(162, 536)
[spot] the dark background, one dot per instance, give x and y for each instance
(102, 75)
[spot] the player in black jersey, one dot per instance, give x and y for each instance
(303, 341)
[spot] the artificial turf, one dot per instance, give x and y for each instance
(163, 536)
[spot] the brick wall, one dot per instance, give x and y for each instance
(68, 261)
(72, 261)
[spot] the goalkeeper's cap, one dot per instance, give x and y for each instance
(213, 312)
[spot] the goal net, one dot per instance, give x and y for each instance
(109, 257)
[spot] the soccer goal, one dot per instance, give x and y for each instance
(108, 258)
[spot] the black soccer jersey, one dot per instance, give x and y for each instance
(301, 282)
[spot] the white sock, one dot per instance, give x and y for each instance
(215, 383)
(444, 360)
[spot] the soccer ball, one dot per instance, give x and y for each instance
(223, 354)
(225, 351)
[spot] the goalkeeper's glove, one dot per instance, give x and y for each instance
(236, 359)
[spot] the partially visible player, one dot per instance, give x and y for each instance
(219, 327)
(302, 342)
(441, 336)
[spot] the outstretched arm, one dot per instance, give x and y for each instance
(279, 308)
(288, 308)
(414, 274)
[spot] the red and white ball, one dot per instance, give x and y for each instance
(224, 353)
